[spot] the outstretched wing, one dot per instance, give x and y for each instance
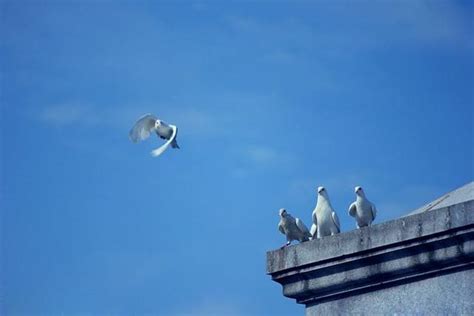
(352, 209)
(142, 128)
(374, 211)
(302, 227)
(160, 150)
(336, 221)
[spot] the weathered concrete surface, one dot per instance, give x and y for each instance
(377, 268)
(448, 294)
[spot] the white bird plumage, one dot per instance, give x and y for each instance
(362, 209)
(150, 123)
(325, 219)
(292, 228)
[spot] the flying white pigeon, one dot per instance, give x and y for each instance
(325, 218)
(149, 123)
(292, 228)
(362, 209)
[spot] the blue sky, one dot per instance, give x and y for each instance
(272, 99)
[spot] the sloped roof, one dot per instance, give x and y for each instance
(460, 195)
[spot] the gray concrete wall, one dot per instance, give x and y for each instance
(448, 294)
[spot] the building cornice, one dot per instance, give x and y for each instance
(367, 259)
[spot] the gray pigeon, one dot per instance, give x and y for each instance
(149, 123)
(362, 209)
(325, 220)
(292, 228)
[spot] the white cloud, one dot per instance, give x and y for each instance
(264, 156)
(64, 115)
(261, 154)
(191, 121)
(366, 27)
(253, 159)
(433, 22)
(257, 159)
(211, 118)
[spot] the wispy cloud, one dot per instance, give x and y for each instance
(399, 24)
(209, 115)
(67, 114)
(265, 156)
(431, 22)
(261, 155)
(256, 158)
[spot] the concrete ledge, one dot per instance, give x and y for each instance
(388, 254)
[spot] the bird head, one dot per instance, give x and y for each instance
(282, 212)
(157, 123)
(321, 190)
(358, 190)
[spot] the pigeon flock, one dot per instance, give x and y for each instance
(325, 219)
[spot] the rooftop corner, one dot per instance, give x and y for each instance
(368, 263)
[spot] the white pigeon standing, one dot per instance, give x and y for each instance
(149, 123)
(325, 220)
(362, 209)
(292, 228)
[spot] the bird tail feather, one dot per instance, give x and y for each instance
(160, 150)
